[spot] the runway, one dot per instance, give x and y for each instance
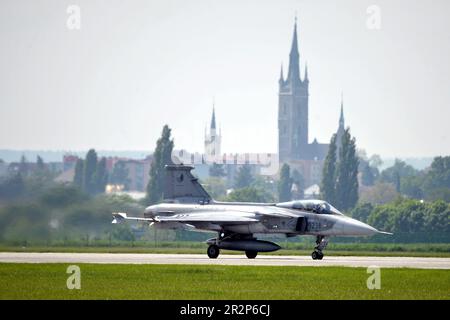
(224, 259)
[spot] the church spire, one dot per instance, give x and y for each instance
(341, 118)
(294, 69)
(281, 80)
(306, 73)
(213, 119)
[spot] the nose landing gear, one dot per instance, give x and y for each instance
(317, 255)
(321, 243)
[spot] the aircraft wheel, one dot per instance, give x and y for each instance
(315, 255)
(320, 257)
(213, 251)
(251, 254)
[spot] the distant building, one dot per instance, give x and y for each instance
(65, 176)
(293, 108)
(312, 192)
(138, 170)
(341, 128)
(69, 161)
(294, 147)
(138, 173)
(213, 139)
(55, 167)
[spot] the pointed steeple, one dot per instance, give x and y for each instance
(294, 47)
(213, 119)
(281, 80)
(306, 79)
(341, 118)
(294, 59)
(341, 129)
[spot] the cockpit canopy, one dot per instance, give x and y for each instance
(315, 206)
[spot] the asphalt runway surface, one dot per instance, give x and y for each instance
(224, 259)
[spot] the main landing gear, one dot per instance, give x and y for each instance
(240, 242)
(213, 251)
(251, 254)
(321, 243)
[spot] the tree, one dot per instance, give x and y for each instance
(412, 186)
(437, 217)
(101, 176)
(347, 173)
(12, 186)
(439, 174)
(215, 187)
(430, 184)
(362, 211)
(413, 217)
(298, 179)
(161, 158)
(396, 173)
(285, 184)
(375, 161)
(438, 194)
(79, 172)
(216, 170)
(328, 185)
(40, 165)
(119, 175)
(250, 194)
(379, 193)
(90, 167)
(61, 196)
(244, 177)
(368, 173)
(382, 218)
(23, 166)
(266, 184)
(299, 182)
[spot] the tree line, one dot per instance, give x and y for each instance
(408, 219)
(91, 174)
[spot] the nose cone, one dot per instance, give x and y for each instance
(352, 227)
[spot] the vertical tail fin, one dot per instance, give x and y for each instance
(181, 186)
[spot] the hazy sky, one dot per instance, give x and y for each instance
(136, 65)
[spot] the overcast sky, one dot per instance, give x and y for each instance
(136, 65)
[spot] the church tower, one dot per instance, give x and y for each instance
(293, 109)
(213, 139)
(341, 128)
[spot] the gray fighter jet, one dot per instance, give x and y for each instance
(188, 206)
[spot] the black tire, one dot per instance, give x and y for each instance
(320, 256)
(315, 255)
(251, 254)
(213, 251)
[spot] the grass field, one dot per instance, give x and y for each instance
(48, 281)
(397, 250)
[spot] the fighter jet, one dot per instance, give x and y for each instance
(188, 206)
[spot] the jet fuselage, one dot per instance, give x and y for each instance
(271, 218)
